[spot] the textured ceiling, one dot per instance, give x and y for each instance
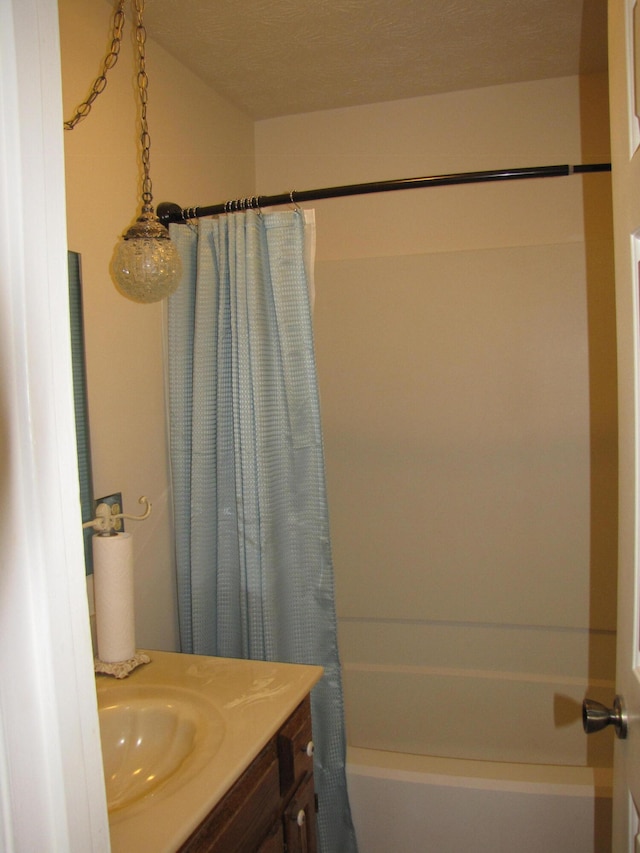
(281, 57)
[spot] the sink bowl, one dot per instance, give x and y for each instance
(154, 738)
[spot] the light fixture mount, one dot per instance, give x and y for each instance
(146, 266)
(147, 225)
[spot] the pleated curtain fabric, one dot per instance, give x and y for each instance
(255, 573)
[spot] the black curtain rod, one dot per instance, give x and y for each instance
(169, 212)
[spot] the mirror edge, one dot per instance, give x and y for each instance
(80, 401)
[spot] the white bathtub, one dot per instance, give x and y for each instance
(409, 804)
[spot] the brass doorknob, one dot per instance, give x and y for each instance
(596, 716)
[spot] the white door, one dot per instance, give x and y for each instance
(624, 70)
(51, 783)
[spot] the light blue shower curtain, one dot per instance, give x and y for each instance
(255, 575)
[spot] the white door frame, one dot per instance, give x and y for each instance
(51, 784)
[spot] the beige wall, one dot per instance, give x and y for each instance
(466, 355)
(201, 150)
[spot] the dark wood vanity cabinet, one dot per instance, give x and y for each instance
(271, 808)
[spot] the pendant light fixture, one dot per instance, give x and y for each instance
(146, 266)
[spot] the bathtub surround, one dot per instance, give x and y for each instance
(466, 359)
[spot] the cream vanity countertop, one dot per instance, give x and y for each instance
(238, 704)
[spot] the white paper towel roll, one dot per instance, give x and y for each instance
(113, 591)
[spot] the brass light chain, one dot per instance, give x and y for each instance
(143, 83)
(110, 60)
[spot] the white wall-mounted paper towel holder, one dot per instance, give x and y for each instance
(105, 522)
(114, 593)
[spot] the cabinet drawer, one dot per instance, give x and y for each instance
(295, 747)
(242, 819)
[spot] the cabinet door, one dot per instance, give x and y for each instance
(300, 820)
(241, 820)
(274, 842)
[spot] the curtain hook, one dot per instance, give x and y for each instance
(295, 204)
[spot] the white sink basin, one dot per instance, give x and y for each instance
(179, 731)
(151, 736)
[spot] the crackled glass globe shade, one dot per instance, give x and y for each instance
(146, 265)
